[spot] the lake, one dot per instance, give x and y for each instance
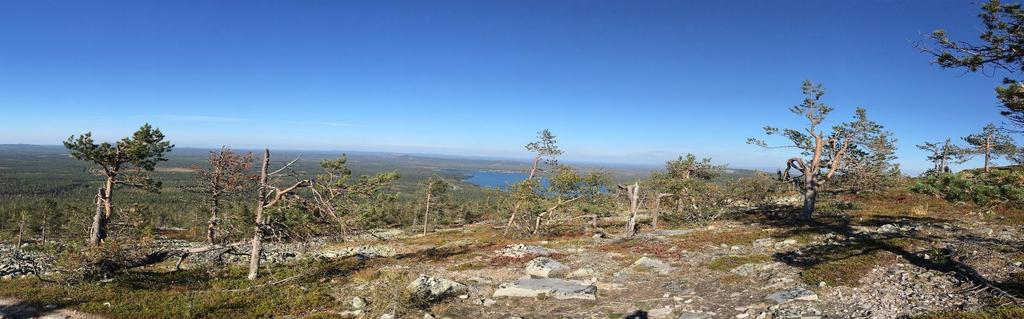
(496, 179)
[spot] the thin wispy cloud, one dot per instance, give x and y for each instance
(203, 118)
(324, 123)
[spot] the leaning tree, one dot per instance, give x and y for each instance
(126, 162)
(990, 142)
(568, 187)
(545, 149)
(345, 199)
(437, 191)
(827, 152)
(1000, 49)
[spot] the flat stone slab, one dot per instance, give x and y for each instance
(694, 315)
(557, 288)
(545, 267)
(785, 296)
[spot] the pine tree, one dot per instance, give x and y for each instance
(827, 152)
(870, 166)
(545, 148)
(126, 162)
(1000, 50)
(942, 154)
(990, 143)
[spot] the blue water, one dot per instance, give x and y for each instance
(498, 179)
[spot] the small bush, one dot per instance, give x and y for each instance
(1002, 185)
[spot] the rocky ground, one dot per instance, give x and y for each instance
(890, 267)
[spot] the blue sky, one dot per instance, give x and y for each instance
(617, 81)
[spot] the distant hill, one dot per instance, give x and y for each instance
(412, 165)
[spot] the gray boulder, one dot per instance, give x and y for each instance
(359, 303)
(653, 264)
(545, 267)
(435, 288)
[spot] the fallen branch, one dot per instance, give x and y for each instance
(109, 266)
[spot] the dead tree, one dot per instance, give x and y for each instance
(21, 228)
(109, 266)
(268, 196)
(426, 212)
(634, 197)
(228, 173)
(550, 210)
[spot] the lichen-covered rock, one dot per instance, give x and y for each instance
(654, 264)
(545, 267)
(359, 303)
(435, 288)
(369, 251)
(520, 250)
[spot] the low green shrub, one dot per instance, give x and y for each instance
(1000, 185)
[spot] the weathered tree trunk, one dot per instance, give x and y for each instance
(42, 230)
(654, 215)
(534, 166)
(512, 218)
(426, 213)
(633, 195)
(99, 229)
(101, 220)
(108, 204)
(810, 198)
(211, 226)
(21, 230)
(549, 211)
(988, 151)
(105, 267)
(258, 229)
(942, 163)
(657, 210)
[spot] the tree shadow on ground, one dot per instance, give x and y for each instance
(858, 241)
(30, 309)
